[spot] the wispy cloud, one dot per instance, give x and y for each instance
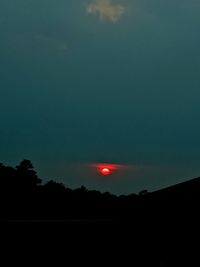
(57, 44)
(106, 9)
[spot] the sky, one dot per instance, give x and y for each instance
(85, 82)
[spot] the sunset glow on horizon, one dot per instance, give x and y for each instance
(106, 168)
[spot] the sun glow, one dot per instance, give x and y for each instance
(105, 171)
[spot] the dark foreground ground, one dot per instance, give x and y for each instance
(95, 242)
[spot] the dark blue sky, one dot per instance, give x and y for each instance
(91, 81)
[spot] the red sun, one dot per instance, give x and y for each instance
(107, 168)
(105, 171)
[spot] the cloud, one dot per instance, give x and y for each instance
(58, 44)
(106, 9)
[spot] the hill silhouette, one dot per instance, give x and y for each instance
(158, 224)
(24, 197)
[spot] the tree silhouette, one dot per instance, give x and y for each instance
(143, 192)
(8, 180)
(27, 176)
(54, 187)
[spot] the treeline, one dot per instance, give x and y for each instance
(24, 196)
